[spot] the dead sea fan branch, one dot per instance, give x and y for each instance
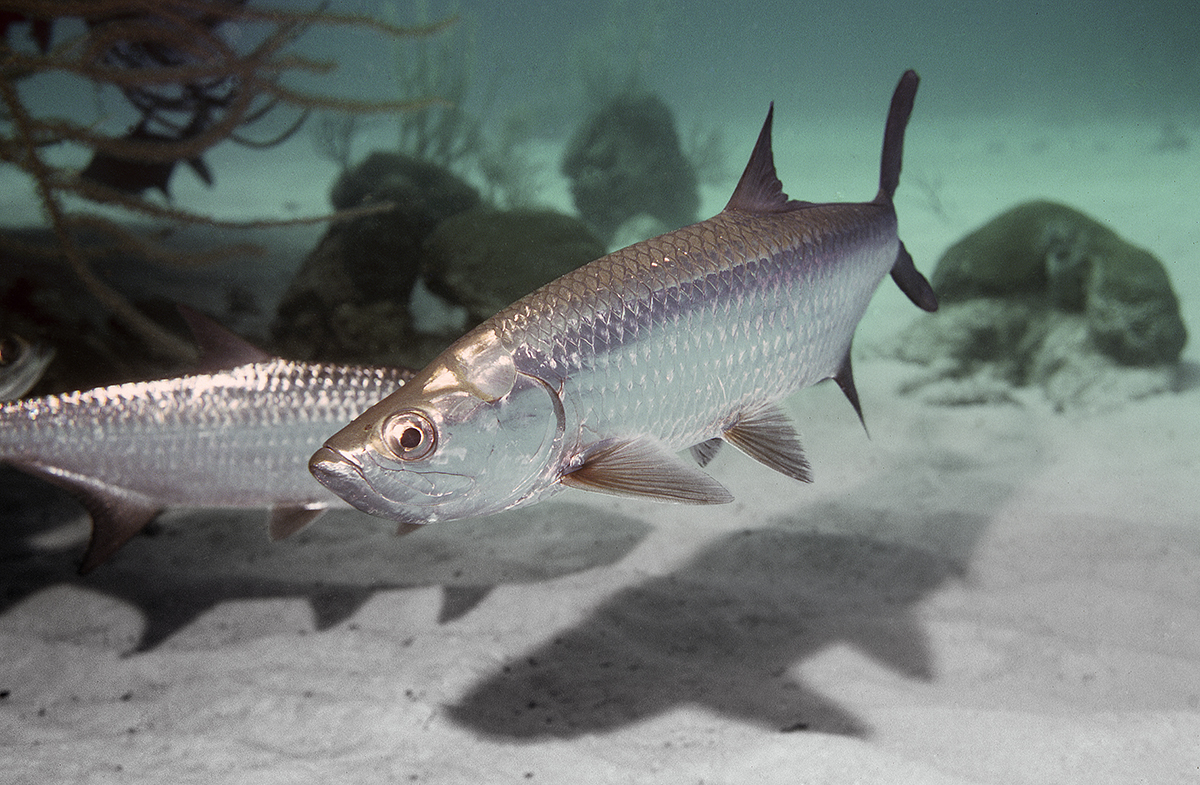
(192, 89)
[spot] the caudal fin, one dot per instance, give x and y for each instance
(904, 272)
(893, 135)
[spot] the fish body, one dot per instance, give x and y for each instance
(237, 435)
(596, 380)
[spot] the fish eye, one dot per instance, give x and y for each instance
(409, 435)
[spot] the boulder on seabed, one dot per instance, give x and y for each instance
(625, 160)
(1045, 295)
(349, 301)
(484, 259)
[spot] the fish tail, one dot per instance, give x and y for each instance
(904, 272)
(893, 135)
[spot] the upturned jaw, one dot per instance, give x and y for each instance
(339, 474)
(345, 477)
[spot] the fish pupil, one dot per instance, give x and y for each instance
(411, 438)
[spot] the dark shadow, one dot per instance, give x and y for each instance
(1187, 376)
(197, 559)
(731, 630)
(727, 632)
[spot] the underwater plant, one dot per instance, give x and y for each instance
(447, 132)
(442, 132)
(190, 87)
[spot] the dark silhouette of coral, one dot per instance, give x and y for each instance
(192, 89)
(485, 259)
(349, 300)
(625, 161)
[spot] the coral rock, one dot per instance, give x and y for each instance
(364, 269)
(1045, 296)
(1072, 263)
(627, 160)
(485, 259)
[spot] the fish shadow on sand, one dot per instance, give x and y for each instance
(729, 630)
(196, 560)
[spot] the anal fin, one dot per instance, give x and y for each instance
(286, 521)
(645, 469)
(768, 436)
(117, 514)
(845, 380)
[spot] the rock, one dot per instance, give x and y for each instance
(485, 259)
(1073, 264)
(1075, 376)
(1132, 311)
(1045, 296)
(983, 351)
(1001, 335)
(358, 281)
(626, 160)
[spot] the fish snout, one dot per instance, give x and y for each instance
(347, 478)
(340, 474)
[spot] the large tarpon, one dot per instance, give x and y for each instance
(599, 378)
(236, 433)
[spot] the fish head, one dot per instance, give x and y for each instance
(470, 435)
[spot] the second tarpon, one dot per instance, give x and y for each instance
(236, 432)
(598, 379)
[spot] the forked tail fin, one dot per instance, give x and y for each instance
(904, 273)
(893, 135)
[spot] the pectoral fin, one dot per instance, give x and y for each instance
(286, 521)
(768, 436)
(643, 468)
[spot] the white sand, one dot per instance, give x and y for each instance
(989, 595)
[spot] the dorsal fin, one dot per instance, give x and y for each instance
(759, 190)
(220, 349)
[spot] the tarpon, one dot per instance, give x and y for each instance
(599, 378)
(236, 433)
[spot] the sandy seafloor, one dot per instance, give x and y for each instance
(996, 594)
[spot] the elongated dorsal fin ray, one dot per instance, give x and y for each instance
(220, 349)
(768, 436)
(287, 520)
(759, 189)
(643, 468)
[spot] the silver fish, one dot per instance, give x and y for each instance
(21, 366)
(599, 378)
(236, 433)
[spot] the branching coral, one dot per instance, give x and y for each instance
(192, 89)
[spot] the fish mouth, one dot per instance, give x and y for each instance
(345, 477)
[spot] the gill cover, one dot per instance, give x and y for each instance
(469, 436)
